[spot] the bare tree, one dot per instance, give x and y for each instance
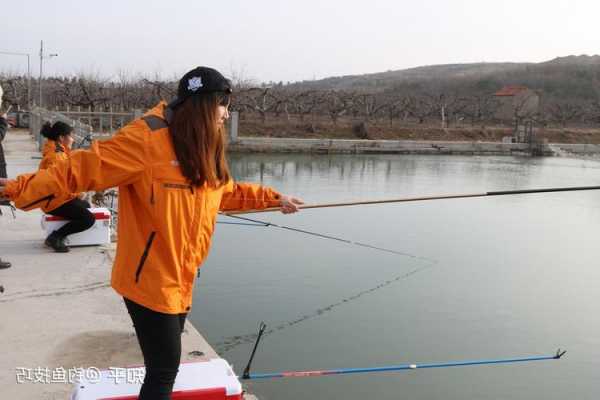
(422, 107)
(15, 89)
(239, 78)
(306, 103)
(337, 104)
(396, 106)
(83, 90)
(593, 112)
(283, 103)
(480, 108)
(260, 100)
(564, 112)
(129, 93)
(368, 105)
(448, 107)
(456, 108)
(160, 90)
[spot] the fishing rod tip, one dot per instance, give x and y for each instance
(559, 354)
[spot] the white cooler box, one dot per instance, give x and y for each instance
(205, 380)
(99, 233)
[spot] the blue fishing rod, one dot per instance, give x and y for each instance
(390, 368)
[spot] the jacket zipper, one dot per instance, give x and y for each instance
(144, 256)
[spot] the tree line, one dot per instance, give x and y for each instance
(443, 104)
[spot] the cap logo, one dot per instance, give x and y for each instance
(195, 83)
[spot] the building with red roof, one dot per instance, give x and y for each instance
(517, 103)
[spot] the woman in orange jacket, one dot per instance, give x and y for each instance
(173, 179)
(69, 205)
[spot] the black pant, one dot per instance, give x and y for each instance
(76, 211)
(159, 336)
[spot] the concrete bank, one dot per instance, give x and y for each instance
(568, 149)
(58, 311)
(345, 146)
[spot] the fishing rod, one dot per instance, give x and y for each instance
(260, 223)
(401, 367)
(424, 198)
(390, 368)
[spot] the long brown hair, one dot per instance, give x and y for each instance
(199, 141)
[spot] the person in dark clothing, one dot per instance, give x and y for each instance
(3, 129)
(67, 205)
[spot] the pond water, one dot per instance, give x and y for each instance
(480, 278)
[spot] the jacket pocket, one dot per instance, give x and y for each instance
(144, 256)
(173, 204)
(178, 186)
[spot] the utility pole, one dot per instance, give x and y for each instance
(41, 68)
(42, 57)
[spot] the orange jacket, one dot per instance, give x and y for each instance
(165, 225)
(51, 153)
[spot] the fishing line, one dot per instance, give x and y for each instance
(251, 221)
(241, 223)
(231, 342)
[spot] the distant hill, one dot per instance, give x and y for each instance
(573, 77)
(382, 80)
(575, 60)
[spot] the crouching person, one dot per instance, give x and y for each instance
(69, 205)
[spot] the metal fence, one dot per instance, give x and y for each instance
(39, 116)
(88, 125)
(101, 121)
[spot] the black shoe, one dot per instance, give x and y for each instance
(57, 243)
(4, 264)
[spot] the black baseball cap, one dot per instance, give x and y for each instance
(200, 80)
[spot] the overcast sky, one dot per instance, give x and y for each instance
(290, 40)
